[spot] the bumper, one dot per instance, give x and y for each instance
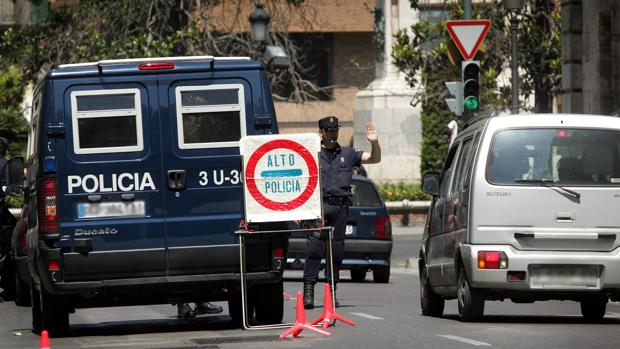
(606, 265)
(357, 253)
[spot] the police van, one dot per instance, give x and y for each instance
(525, 209)
(134, 187)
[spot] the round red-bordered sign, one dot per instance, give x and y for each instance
(288, 205)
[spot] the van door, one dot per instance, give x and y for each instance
(435, 246)
(455, 226)
(202, 125)
(109, 178)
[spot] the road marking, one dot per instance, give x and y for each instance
(463, 340)
(367, 316)
(610, 314)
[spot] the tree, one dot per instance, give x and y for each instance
(423, 57)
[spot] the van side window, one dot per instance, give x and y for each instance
(106, 121)
(210, 116)
(460, 167)
(446, 177)
(469, 166)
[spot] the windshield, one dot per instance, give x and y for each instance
(582, 157)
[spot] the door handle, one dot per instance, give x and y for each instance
(176, 179)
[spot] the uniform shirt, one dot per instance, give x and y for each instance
(337, 170)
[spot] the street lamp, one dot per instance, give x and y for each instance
(259, 21)
(514, 8)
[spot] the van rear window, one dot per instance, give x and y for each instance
(106, 121)
(211, 116)
(570, 156)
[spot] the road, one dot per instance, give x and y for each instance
(387, 316)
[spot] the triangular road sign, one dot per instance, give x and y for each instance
(468, 35)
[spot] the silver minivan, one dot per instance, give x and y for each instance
(526, 209)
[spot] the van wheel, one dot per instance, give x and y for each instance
(37, 319)
(22, 292)
(270, 308)
(432, 304)
(593, 309)
(234, 307)
(358, 275)
(381, 274)
(55, 314)
(471, 300)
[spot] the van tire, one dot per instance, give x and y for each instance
(22, 292)
(431, 303)
(55, 314)
(270, 308)
(470, 300)
(358, 275)
(381, 274)
(234, 308)
(593, 309)
(37, 319)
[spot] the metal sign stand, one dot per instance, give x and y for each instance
(243, 233)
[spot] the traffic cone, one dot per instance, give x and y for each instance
(300, 321)
(45, 340)
(329, 315)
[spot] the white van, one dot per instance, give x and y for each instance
(526, 208)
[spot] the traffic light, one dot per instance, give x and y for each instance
(470, 77)
(455, 104)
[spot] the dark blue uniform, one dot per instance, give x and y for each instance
(336, 172)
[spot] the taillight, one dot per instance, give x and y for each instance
(156, 66)
(383, 228)
(53, 265)
(278, 252)
(492, 260)
(48, 215)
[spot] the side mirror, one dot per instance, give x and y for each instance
(14, 175)
(430, 183)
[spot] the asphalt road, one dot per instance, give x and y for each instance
(387, 316)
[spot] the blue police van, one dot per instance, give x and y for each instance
(134, 187)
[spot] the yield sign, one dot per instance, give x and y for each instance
(468, 35)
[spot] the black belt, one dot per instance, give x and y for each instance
(337, 200)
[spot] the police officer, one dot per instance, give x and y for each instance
(337, 165)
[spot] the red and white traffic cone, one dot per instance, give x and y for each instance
(300, 321)
(329, 315)
(45, 340)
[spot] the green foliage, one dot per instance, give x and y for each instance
(402, 191)
(12, 122)
(426, 71)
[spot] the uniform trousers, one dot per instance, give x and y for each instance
(335, 216)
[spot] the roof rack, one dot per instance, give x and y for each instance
(485, 114)
(153, 59)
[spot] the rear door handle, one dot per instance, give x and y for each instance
(176, 179)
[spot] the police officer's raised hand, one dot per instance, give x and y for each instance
(371, 132)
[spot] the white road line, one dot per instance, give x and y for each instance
(367, 316)
(610, 314)
(463, 340)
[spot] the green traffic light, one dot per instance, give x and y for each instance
(471, 103)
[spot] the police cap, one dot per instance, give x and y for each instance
(328, 121)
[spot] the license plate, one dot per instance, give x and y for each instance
(350, 230)
(565, 276)
(111, 209)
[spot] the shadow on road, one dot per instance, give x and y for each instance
(537, 319)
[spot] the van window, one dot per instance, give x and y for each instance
(210, 116)
(460, 167)
(33, 139)
(106, 121)
(448, 169)
(565, 156)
